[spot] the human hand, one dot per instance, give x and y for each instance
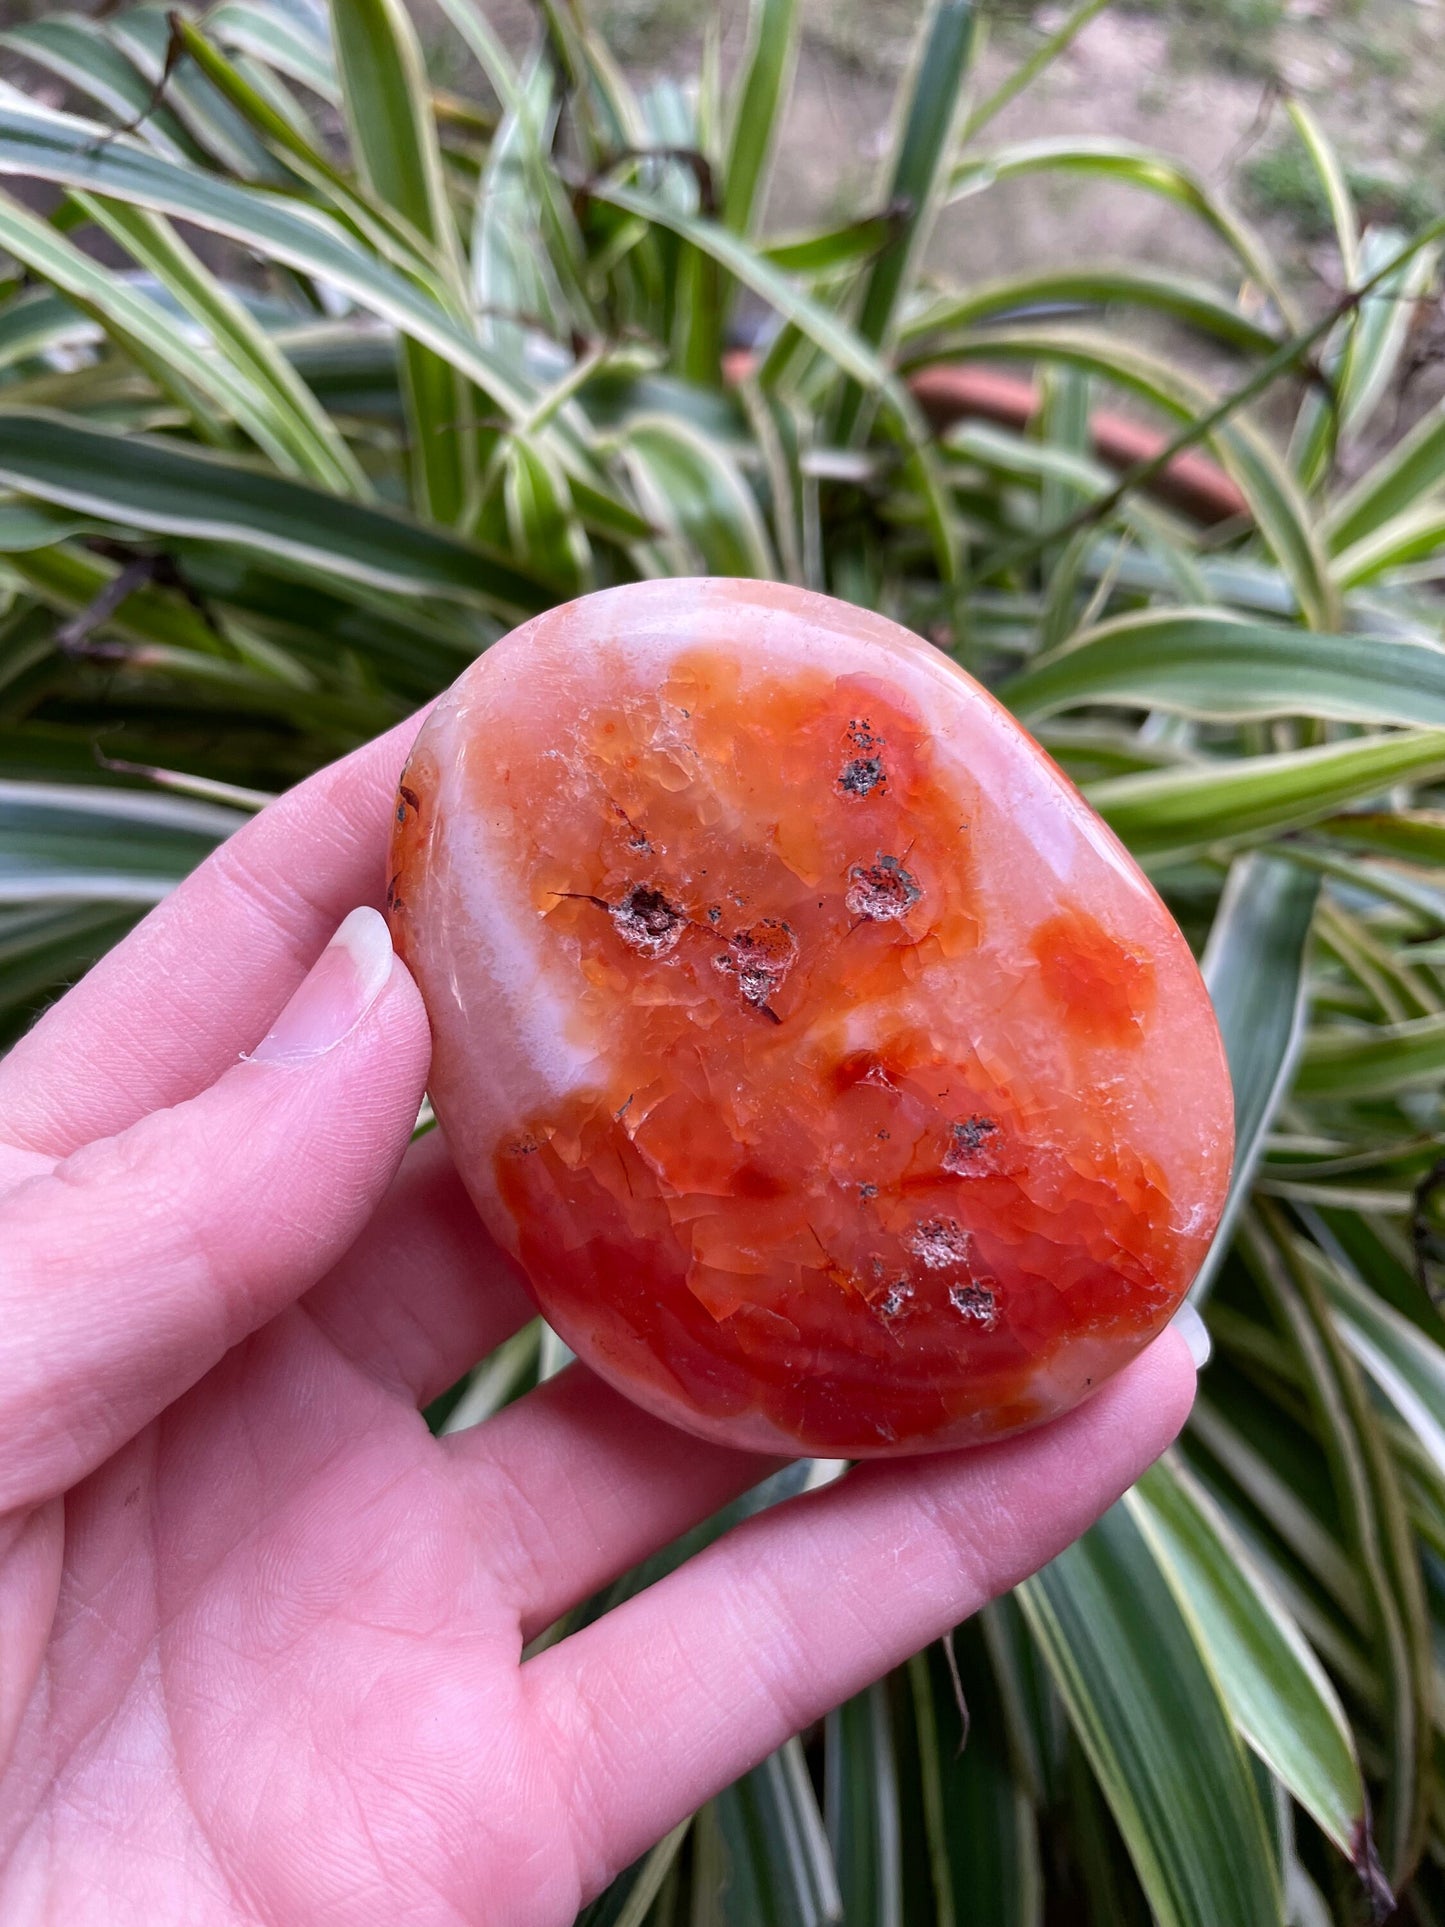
(260, 1632)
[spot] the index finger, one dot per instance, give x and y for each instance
(197, 982)
(673, 1695)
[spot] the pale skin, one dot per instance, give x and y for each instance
(261, 1634)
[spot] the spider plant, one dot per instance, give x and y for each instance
(314, 379)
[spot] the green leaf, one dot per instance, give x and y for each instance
(150, 334)
(1278, 1694)
(691, 487)
(486, 48)
(1406, 1365)
(394, 140)
(1412, 836)
(157, 485)
(293, 421)
(1396, 485)
(39, 321)
(823, 328)
(1043, 56)
(144, 34)
(1371, 1505)
(101, 845)
(776, 1848)
(928, 334)
(1104, 158)
(1379, 1061)
(515, 284)
(759, 92)
(287, 38)
(1275, 501)
(1149, 1714)
(541, 518)
(298, 149)
(48, 943)
(861, 1808)
(33, 525)
(827, 251)
(1386, 319)
(1365, 352)
(628, 1901)
(58, 148)
(1212, 664)
(1176, 812)
(929, 110)
(78, 52)
(1337, 188)
(1415, 536)
(988, 1833)
(1254, 968)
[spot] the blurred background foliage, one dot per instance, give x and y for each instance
(332, 345)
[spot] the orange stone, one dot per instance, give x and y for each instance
(834, 1075)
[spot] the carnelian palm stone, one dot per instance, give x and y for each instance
(835, 1077)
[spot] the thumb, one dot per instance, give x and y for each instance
(136, 1263)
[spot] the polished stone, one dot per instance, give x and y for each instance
(835, 1076)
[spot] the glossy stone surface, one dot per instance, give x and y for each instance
(836, 1078)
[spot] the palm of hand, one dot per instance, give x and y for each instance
(265, 1633)
(273, 1609)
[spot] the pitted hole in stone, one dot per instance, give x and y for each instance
(883, 892)
(968, 1151)
(636, 838)
(894, 1301)
(647, 922)
(759, 959)
(976, 1303)
(862, 776)
(940, 1244)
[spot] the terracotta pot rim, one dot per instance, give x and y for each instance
(1191, 482)
(947, 393)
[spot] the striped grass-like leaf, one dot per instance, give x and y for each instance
(861, 1808)
(1254, 967)
(1411, 836)
(1398, 482)
(1176, 812)
(1105, 158)
(1368, 1492)
(1275, 501)
(929, 111)
(77, 51)
(152, 484)
(394, 141)
(1278, 1694)
(934, 331)
(1374, 1062)
(985, 1853)
(1149, 1714)
(77, 153)
(147, 37)
(759, 95)
(1214, 664)
(692, 488)
(1408, 1367)
(778, 1870)
(66, 844)
(284, 37)
(294, 421)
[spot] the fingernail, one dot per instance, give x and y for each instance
(342, 985)
(1195, 1334)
